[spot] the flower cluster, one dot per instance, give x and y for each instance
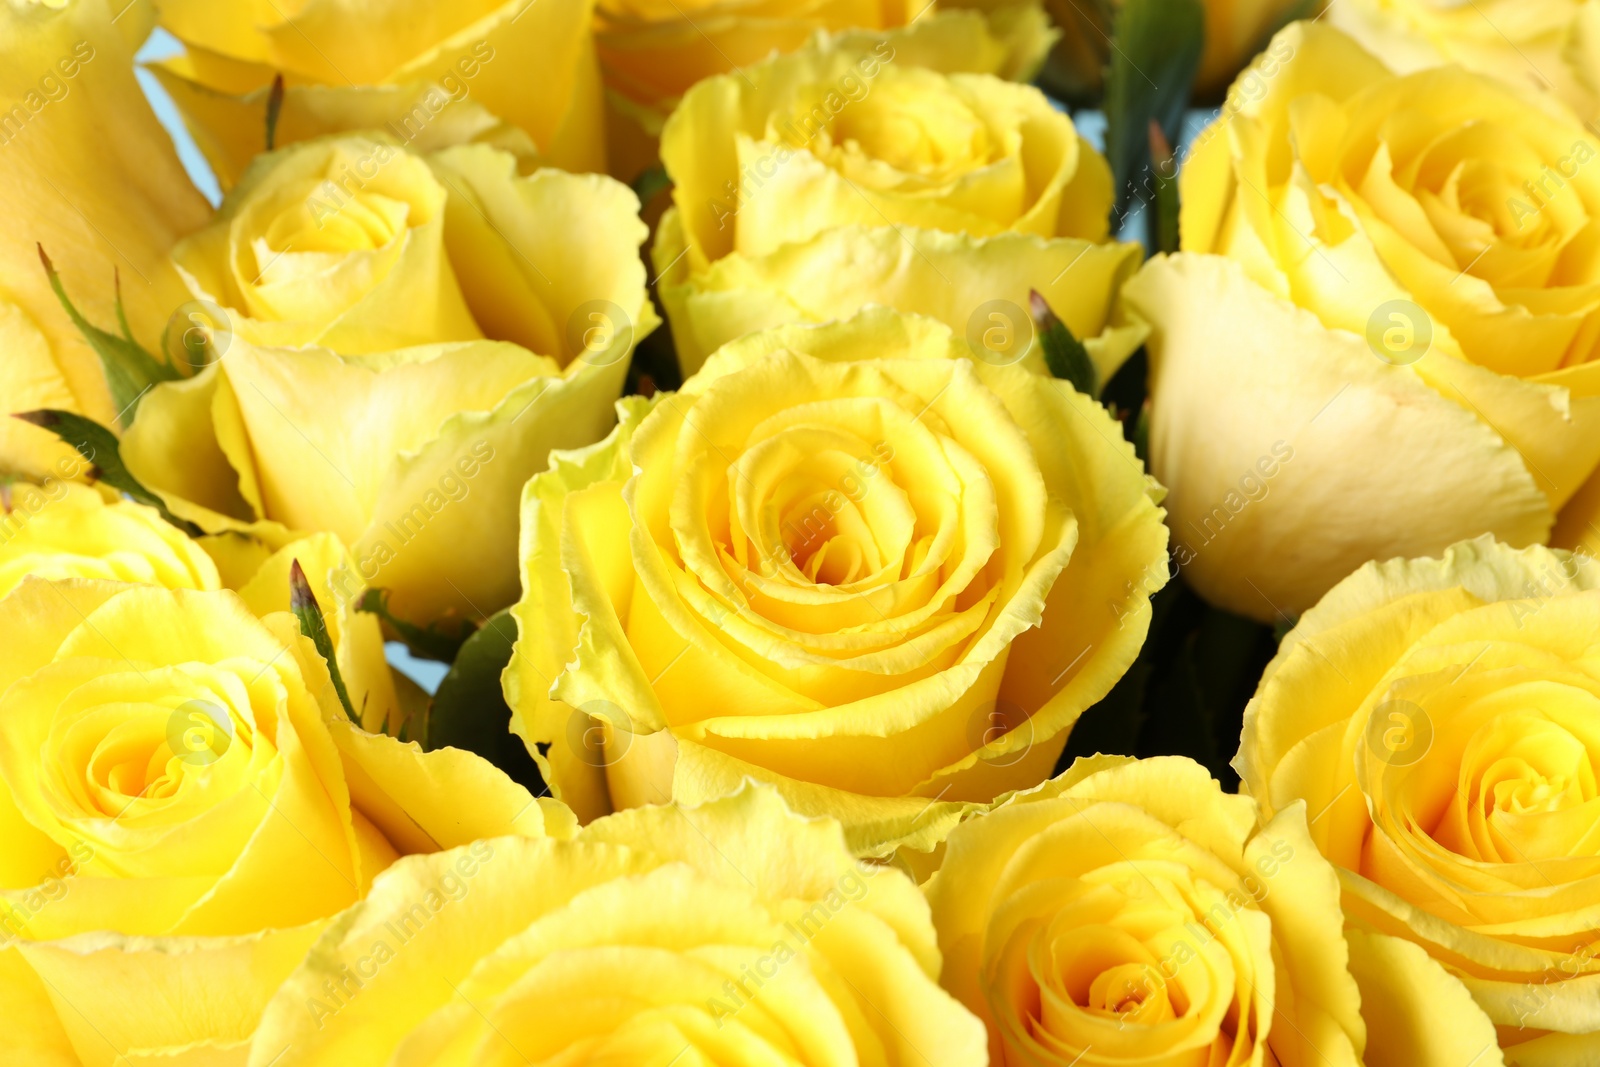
(917, 577)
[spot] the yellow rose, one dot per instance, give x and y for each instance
(1550, 45)
(1381, 337)
(850, 560)
(339, 243)
(354, 392)
(515, 73)
(1235, 30)
(59, 530)
(1131, 912)
(92, 177)
(845, 174)
(183, 809)
(1437, 717)
(651, 53)
(731, 933)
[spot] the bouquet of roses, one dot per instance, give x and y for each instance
(811, 532)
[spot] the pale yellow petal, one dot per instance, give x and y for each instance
(1416, 1012)
(108, 194)
(1272, 505)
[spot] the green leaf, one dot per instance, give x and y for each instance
(1164, 203)
(1201, 712)
(1295, 12)
(1074, 72)
(99, 447)
(1186, 693)
(1206, 663)
(1064, 354)
(1155, 51)
(130, 370)
(1112, 726)
(1141, 434)
(430, 642)
(1115, 725)
(303, 602)
(122, 311)
(650, 183)
(470, 712)
(274, 109)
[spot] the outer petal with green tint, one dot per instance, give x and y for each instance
(551, 627)
(449, 433)
(93, 178)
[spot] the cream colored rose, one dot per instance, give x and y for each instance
(429, 74)
(92, 177)
(1438, 718)
(733, 933)
(854, 172)
(354, 390)
(183, 810)
(1549, 45)
(852, 560)
(1388, 277)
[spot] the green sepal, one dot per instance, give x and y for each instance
(1064, 354)
(469, 710)
(429, 642)
(274, 109)
(1164, 200)
(130, 370)
(650, 184)
(1155, 53)
(98, 446)
(303, 602)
